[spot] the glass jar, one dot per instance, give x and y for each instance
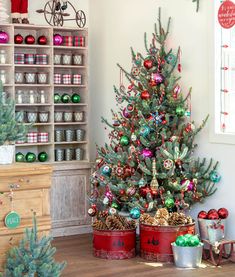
(19, 97)
(3, 76)
(32, 97)
(42, 97)
(3, 57)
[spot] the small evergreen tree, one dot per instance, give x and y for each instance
(10, 129)
(33, 257)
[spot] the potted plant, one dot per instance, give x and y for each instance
(10, 129)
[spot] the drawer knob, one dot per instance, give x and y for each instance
(14, 186)
(21, 180)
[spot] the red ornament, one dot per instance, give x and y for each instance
(30, 39)
(152, 83)
(223, 213)
(128, 171)
(42, 40)
(120, 133)
(213, 215)
(146, 206)
(144, 191)
(202, 214)
(122, 192)
(148, 64)
(179, 162)
(145, 95)
(164, 122)
(18, 39)
(226, 14)
(212, 211)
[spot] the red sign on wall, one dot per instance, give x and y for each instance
(226, 14)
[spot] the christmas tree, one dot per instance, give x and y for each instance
(10, 129)
(149, 162)
(33, 257)
(3, 13)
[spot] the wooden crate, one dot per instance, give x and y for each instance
(31, 186)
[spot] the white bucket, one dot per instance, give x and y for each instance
(7, 153)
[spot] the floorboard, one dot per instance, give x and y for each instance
(77, 251)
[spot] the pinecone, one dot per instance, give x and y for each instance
(102, 215)
(146, 219)
(177, 219)
(130, 224)
(160, 222)
(162, 213)
(113, 223)
(189, 220)
(122, 219)
(99, 225)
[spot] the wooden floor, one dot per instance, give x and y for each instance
(77, 251)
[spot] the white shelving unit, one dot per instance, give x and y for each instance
(50, 88)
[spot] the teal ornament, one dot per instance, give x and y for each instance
(124, 141)
(215, 177)
(171, 59)
(106, 170)
(30, 157)
(180, 111)
(144, 131)
(187, 113)
(135, 213)
(141, 182)
(169, 203)
(12, 220)
(19, 157)
(138, 62)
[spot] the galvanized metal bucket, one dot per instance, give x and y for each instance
(187, 257)
(204, 224)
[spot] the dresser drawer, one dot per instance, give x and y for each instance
(27, 182)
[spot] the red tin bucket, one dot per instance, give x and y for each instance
(114, 245)
(155, 241)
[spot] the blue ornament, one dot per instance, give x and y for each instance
(187, 113)
(106, 170)
(135, 213)
(141, 182)
(157, 118)
(215, 177)
(144, 131)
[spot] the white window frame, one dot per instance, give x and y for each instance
(214, 72)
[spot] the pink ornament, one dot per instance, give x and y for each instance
(58, 39)
(109, 195)
(126, 113)
(176, 91)
(131, 191)
(187, 185)
(146, 153)
(158, 78)
(190, 186)
(4, 37)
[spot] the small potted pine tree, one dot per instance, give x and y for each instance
(10, 129)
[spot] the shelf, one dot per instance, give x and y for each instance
(38, 124)
(33, 105)
(69, 48)
(5, 64)
(71, 86)
(32, 65)
(8, 85)
(32, 85)
(70, 123)
(70, 104)
(70, 66)
(32, 46)
(31, 26)
(73, 161)
(5, 44)
(33, 144)
(70, 142)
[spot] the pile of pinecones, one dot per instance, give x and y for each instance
(112, 222)
(164, 218)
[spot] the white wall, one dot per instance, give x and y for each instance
(117, 25)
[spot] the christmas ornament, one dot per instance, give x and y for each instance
(145, 95)
(193, 241)
(76, 98)
(181, 241)
(65, 98)
(141, 182)
(153, 50)
(92, 211)
(187, 113)
(202, 215)
(213, 215)
(144, 191)
(4, 37)
(106, 201)
(106, 170)
(154, 183)
(57, 39)
(122, 192)
(18, 39)
(189, 127)
(144, 131)
(116, 206)
(148, 64)
(12, 220)
(180, 111)
(176, 91)
(30, 157)
(57, 98)
(158, 78)
(29, 39)
(171, 59)
(187, 237)
(112, 211)
(146, 153)
(133, 137)
(126, 113)
(19, 157)
(190, 186)
(131, 191)
(124, 141)
(135, 213)
(43, 157)
(215, 177)
(42, 40)
(223, 213)
(152, 83)
(168, 164)
(118, 170)
(169, 203)
(135, 71)
(130, 108)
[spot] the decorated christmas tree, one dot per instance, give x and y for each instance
(33, 257)
(149, 162)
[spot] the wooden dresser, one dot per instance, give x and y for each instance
(30, 184)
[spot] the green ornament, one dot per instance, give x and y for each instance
(194, 241)
(124, 141)
(12, 220)
(180, 111)
(30, 157)
(19, 157)
(187, 237)
(171, 59)
(76, 98)
(116, 206)
(181, 241)
(42, 157)
(65, 98)
(57, 98)
(169, 203)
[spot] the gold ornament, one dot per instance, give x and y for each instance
(154, 183)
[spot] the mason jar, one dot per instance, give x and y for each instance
(3, 57)
(3, 76)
